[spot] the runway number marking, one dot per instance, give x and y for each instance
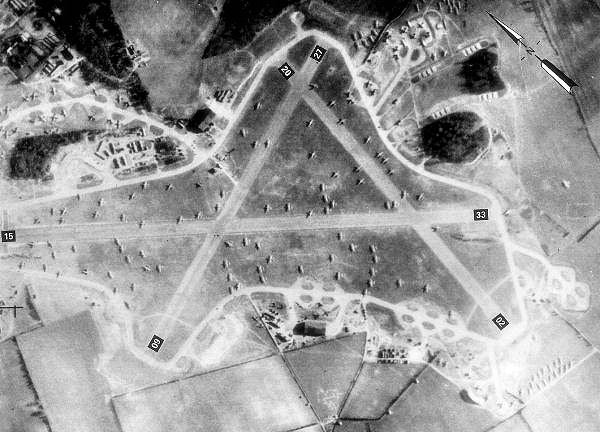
(9, 236)
(286, 70)
(318, 53)
(155, 343)
(480, 214)
(500, 321)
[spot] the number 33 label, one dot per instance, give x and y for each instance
(480, 214)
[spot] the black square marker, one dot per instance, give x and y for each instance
(286, 70)
(9, 236)
(480, 214)
(500, 321)
(318, 53)
(155, 343)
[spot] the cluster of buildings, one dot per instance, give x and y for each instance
(134, 154)
(123, 154)
(276, 324)
(138, 55)
(29, 47)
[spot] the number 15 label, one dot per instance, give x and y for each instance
(9, 236)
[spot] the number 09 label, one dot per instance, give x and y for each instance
(155, 343)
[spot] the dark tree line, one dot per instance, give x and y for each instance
(90, 27)
(241, 20)
(479, 73)
(454, 138)
(32, 155)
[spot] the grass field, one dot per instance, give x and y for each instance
(254, 122)
(334, 81)
(291, 176)
(232, 338)
(194, 191)
(325, 372)
(106, 265)
(61, 359)
(400, 89)
(258, 396)
(404, 264)
(175, 34)
(403, 108)
(377, 386)
(480, 249)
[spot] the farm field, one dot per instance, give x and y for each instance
(325, 372)
(262, 394)
(575, 394)
(434, 405)
(20, 408)
(62, 356)
(546, 353)
(516, 423)
(376, 388)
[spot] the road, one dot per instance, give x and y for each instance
(389, 189)
(73, 233)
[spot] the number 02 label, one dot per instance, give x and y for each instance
(500, 321)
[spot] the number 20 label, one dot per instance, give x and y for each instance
(286, 70)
